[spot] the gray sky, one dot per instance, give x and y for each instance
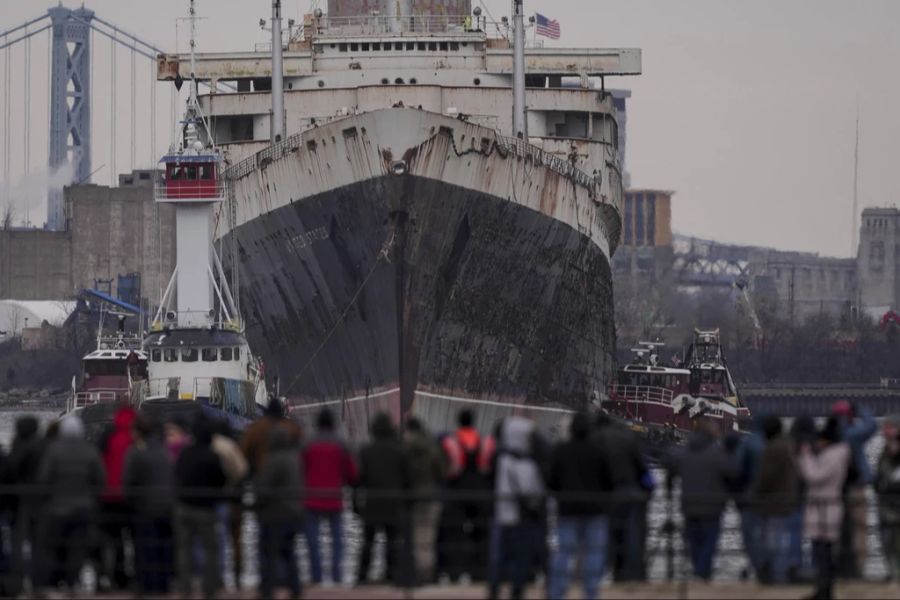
(746, 108)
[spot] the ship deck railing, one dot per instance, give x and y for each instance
(505, 144)
(206, 190)
(526, 150)
(92, 397)
(202, 319)
(641, 393)
(410, 25)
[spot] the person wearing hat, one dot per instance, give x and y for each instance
(856, 428)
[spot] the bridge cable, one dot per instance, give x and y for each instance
(49, 104)
(27, 81)
(6, 136)
(153, 156)
(112, 112)
(133, 112)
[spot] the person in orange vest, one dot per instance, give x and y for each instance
(467, 511)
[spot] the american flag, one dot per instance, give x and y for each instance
(546, 27)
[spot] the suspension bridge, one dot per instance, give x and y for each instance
(68, 78)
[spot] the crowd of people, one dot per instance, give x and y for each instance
(152, 505)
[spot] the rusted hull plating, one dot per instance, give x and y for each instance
(406, 261)
(415, 296)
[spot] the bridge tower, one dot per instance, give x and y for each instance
(70, 101)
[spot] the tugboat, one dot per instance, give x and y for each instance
(199, 359)
(665, 403)
(109, 373)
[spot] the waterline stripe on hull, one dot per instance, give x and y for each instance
(496, 403)
(438, 397)
(341, 401)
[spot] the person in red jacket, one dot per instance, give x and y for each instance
(115, 515)
(328, 467)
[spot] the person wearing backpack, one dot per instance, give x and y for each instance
(465, 518)
(887, 484)
(519, 506)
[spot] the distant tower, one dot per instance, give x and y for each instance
(70, 113)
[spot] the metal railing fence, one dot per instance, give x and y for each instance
(36, 522)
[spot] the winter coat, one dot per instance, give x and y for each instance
(706, 472)
(149, 479)
(233, 462)
(199, 474)
(857, 434)
(427, 464)
(776, 490)
(519, 485)
(383, 469)
(627, 466)
(115, 448)
(749, 454)
(256, 438)
(72, 473)
(578, 466)
(279, 480)
(887, 484)
(24, 460)
(824, 474)
(327, 467)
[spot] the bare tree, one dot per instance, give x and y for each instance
(6, 218)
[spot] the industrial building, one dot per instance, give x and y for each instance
(117, 240)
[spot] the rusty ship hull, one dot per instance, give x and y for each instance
(405, 261)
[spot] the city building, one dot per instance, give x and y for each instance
(117, 240)
(645, 246)
(878, 260)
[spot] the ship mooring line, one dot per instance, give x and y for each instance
(382, 255)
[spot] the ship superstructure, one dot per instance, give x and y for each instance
(199, 358)
(408, 243)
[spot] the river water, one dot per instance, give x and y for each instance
(729, 564)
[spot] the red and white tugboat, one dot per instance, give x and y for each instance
(666, 402)
(108, 371)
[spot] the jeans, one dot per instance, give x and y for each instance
(628, 534)
(519, 547)
(425, 516)
(750, 534)
(277, 555)
(776, 539)
(311, 526)
(797, 560)
(702, 536)
(62, 548)
(592, 533)
(153, 553)
(399, 558)
(115, 524)
(191, 524)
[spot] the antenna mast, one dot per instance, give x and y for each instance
(192, 17)
(520, 129)
(277, 75)
(853, 238)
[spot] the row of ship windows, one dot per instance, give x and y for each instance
(409, 46)
(194, 354)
